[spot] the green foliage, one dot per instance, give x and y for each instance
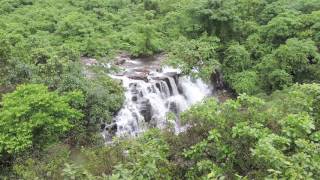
(146, 159)
(50, 165)
(104, 97)
(253, 37)
(74, 24)
(33, 117)
(281, 28)
(237, 59)
(279, 79)
(195, 57)
(254, 138)
(143, 40)
(59, 161)
(296, 57)
(142, 158)
(245, 82)
(214, 17)
(260, 46)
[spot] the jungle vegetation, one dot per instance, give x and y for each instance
(267, 50)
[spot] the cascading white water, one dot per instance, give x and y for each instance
(150, 96)
(194, 90)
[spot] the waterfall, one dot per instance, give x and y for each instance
(150, 95)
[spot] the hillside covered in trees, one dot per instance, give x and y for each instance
(266, 52)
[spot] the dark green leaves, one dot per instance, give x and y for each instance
(32, 116)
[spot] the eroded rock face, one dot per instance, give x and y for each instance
(173, 107)
(146, 110)
(217, 80)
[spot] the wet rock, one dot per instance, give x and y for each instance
(173, 107)
(180, 89)
(154, 89)
(102, 126)
(217, 80)
(165, 89)
(169, 85)
(120, 61)
(151, 89)
(171, 74)
(134, 98)
(132, 127)
(110, 131)
(133, 85)
(134, 89)
(146, 110)
(143, 77)
(158, 86)
(111, 128)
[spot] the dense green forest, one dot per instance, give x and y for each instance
(267, 50)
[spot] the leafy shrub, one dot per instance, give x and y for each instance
(39, 120)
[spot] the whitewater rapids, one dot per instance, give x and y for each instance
(151, 92)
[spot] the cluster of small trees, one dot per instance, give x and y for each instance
(253, 138)
(261, 46)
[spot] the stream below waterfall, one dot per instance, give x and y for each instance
(151, 92)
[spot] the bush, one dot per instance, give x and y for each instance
(39, 120)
